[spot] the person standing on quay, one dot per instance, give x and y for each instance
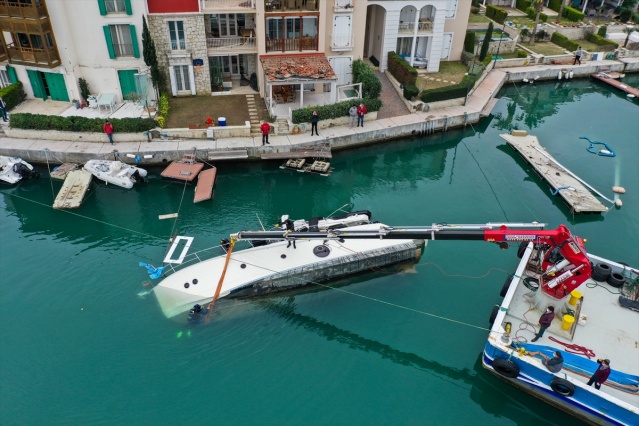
(3, 109)
(601, 375)
(544, 322)
(361, 112)
(314, 120)
(352, 113)
(108, 129)
(578, 55)
(265, 128)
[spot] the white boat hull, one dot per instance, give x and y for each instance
(7, 172)
(114, 172)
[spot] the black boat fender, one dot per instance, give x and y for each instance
(601, 272)
(506, 368)
(562, 387)
(616, 280)
(493, 314)
(506, 286)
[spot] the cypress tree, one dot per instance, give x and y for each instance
(150, 59)
(486, 43)
(469, 42)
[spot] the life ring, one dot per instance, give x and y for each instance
(296, 130)
(506, 286)
(562, 387)
(506, 368)
(493, 314)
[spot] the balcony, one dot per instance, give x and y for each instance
(424, 26)
(3, 53)
(344, 5)
(21, 10)
(243, 44)
(342, 43)
(47, 57)
(291, 44)
(291, 5)
(217, 6)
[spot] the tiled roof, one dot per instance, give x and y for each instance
(297, 67)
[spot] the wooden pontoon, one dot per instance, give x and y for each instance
(186, 169)
(73, 190)
(60, 172)
(205, 185)
(610, 78)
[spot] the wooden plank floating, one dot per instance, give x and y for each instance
(205, 184)
(73, 190)
(60, 172)
(578, 198)
(167, 216)
(610, 79)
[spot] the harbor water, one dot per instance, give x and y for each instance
(83, 342)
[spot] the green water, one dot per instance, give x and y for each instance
(81, 343)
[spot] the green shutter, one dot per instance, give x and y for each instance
(134, 40)
(13, 77)
(127, 82)
(127, 5)
(102, 7)
(35, 78)
(57, 86)
(109, 42)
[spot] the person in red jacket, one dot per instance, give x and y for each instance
(108, 129)
(361, 112)
(265, 128)
(544, 322)
(602, 373)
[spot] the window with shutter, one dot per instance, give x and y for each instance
(448, 40)
(451, 8)
(342, 32)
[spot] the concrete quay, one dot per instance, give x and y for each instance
(478, 104)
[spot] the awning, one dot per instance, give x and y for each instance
(297, 68)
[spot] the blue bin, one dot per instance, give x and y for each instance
(221, 121)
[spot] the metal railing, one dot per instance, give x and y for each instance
(234, 43)
(32, 55)
(17, 9)
(213, 5)
(177, 45)
(291, 44)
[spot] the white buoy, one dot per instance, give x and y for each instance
(619, 189)
(618, 203)
(525, 80)
(583, 320)
(605, 151)
(630, 95)
(559, 76)
(148, 156)
(130, 155)
(571, 74)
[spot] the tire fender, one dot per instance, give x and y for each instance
(506, 368)
(562, 387)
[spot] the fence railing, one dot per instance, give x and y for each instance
(227, 4)
(235, 43)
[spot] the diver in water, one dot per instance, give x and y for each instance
(226, 244)
(197, 313)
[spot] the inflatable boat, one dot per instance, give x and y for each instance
(14, 169)
(116, 172)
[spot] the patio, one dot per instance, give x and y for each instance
(66, 109)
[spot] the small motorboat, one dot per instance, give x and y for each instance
(116, 172)
(14, 169)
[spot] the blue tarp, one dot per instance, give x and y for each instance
(152, 270)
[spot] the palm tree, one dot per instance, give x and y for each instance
(538, 5)
(628, 30)
(561, 9)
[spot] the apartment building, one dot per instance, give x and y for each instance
(49, 44)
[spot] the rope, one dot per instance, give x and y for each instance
(219, 284)
(575, 349)
(49, 170)
(179, 209)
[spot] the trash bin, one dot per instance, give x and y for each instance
(221, 121)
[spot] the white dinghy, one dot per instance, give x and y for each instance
(116, 172)
(14, 169)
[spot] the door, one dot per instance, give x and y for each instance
(57, 86)
(127, 83)
(342, 68)
(37, 84)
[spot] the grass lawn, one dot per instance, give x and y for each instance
(449, 73)
(588, 46)
(524, 21)
(546, 48)
(474, 18)
(184, 111)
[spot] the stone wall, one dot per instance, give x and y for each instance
(195, 35)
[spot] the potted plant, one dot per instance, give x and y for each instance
(75, 103)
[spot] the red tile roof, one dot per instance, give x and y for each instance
(297, 67)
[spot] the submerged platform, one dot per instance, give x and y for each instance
(60, 172)
(73, 190)
(578, 198)
(302, 151)
(205, 185)
(611, 80)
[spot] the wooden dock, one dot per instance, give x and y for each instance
(578, 198)
(205, 185)
(611, 79)
(73, 190)
(60, 172)
(301, 151)
(186, 169)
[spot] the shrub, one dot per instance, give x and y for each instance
(541, 35)
(410, 91)
(523, 4)
(495, 13)
(573, 14)
(543, 17)
(554, 5)
(625, 14)
(486, 42)
(163, 110)
(467, 58)
(522, 54)
(449, 92)
(401, 69)
(635, 18)
(530, 12)
(79, 124)
(563, 41)
(486, 61)
(602, 31)
(337, 110)
(13, 94)
(469, 42)
(606, 45)
(84, 88)
(362, 73)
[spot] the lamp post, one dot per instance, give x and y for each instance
(503, 31)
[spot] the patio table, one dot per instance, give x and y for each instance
(106, 99)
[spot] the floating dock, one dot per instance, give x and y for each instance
(73, 190)
(313, 151)
(186, 169)
(611, 79)
(60, 172)
(205, 185)
(578, 198)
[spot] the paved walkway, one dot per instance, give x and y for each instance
(392, 104)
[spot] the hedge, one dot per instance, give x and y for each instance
(607, 45)
(495, 13)
(602, 31)
(410, 91)
(401, 69)
(563, 41)
(555, 5)
(469, 42)
(522, 54)
(337, 110)
(523, 4)
(531, 13)
(449, 92)
(362, 73)
(573, 14)
(79, 124)
(13, 94)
